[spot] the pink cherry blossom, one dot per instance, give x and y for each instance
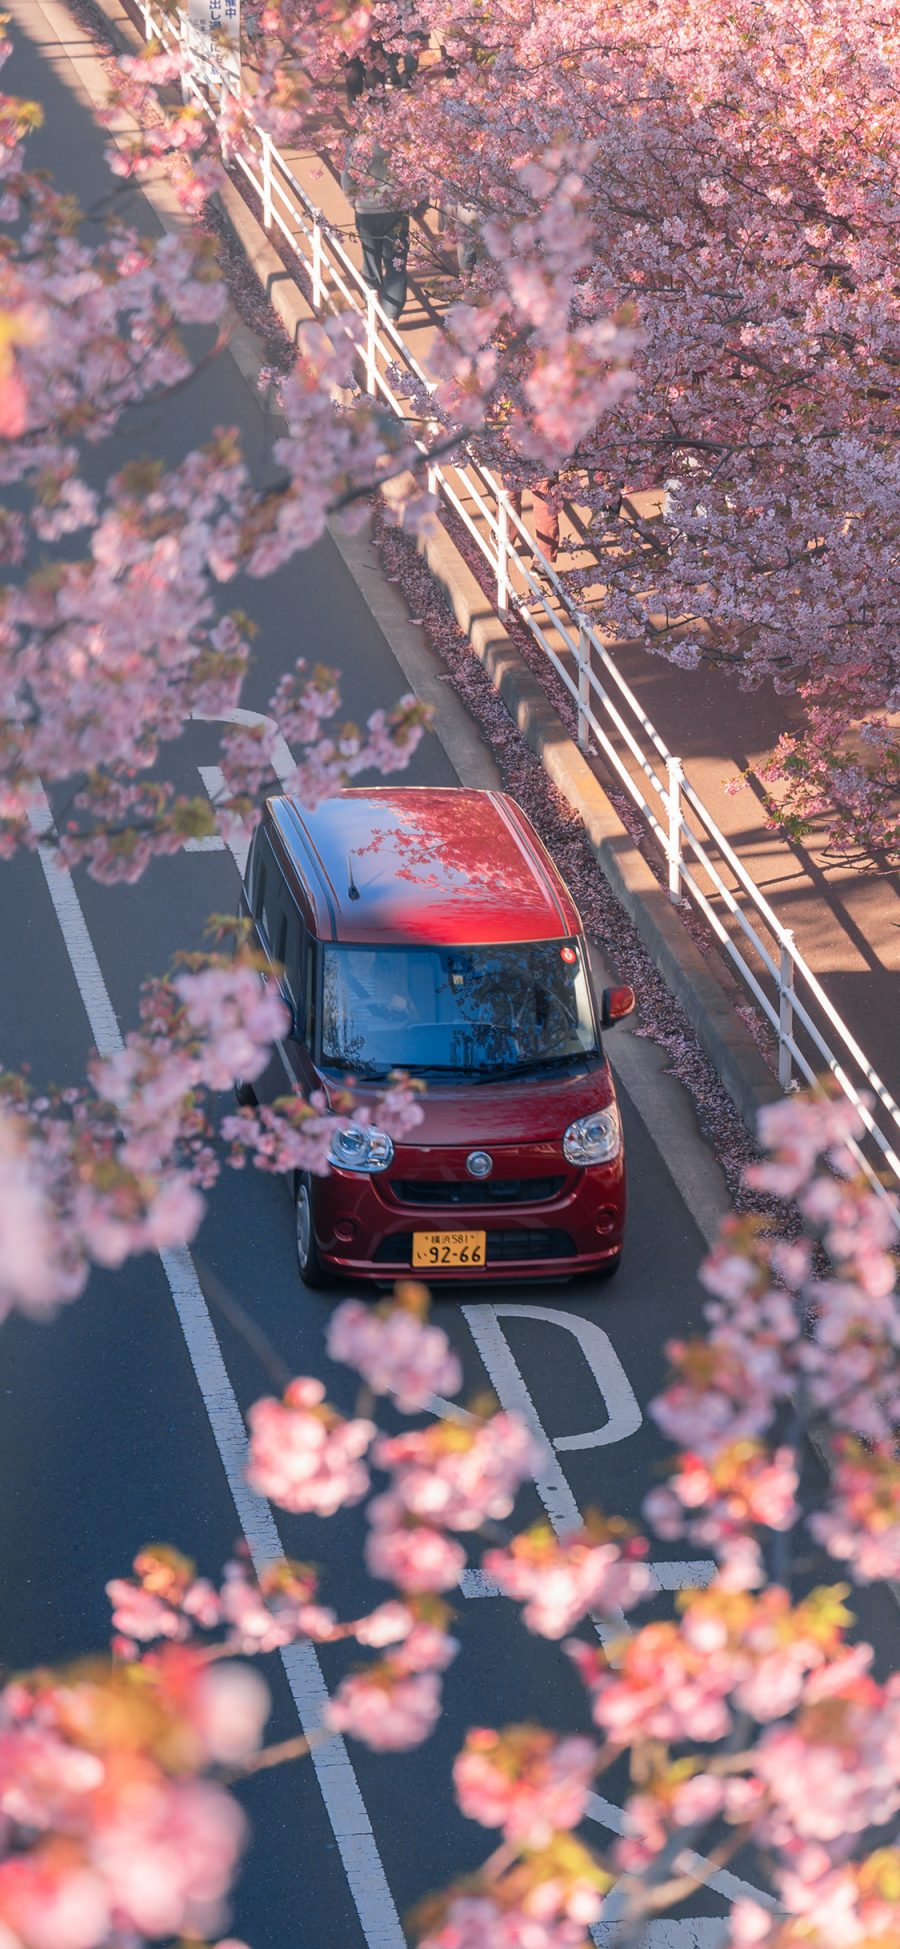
(545, 1899)
(524, 1781)
(167, 1855)
(413, 1555)
(719, 1504)
(232, 1706)
(729, 171)
(561, 1579)
(653, 1816)
(386, 1707)
(388, 1624)
(305, 1456)
(47, 1901)
(164, 1599)
(457, 1475)
(663, 1689)
(26, 1227)
(861, 1524)
(140, 1615)
(835, 1770)
(427, 1648)
(395, 1351)
(266, 1616)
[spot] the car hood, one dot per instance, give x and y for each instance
(514, 1112)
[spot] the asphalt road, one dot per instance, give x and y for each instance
(120, 1421)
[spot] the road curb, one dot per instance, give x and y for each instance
(691, 978)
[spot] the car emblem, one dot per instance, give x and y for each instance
(479, 1164)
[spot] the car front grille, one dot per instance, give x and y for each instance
(501, 1247)
(471, 1191)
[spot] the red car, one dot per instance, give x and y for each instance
(427, 930)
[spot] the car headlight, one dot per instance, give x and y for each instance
(358, 1149)
(594, 1139)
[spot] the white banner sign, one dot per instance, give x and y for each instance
(214, 38)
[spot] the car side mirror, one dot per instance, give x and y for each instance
(617, 1003)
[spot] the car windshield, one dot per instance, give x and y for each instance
(456, 1011)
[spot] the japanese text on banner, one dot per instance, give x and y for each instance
(215, 39)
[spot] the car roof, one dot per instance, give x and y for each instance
(405, 864)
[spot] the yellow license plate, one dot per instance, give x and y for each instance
(435, 1249)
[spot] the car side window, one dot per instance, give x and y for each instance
(293, 954)
(267, 893)
(262, 883)
(282, 928)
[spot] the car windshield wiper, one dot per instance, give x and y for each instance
(467, 1072)
(438, 1069)
(533, 1065)
(371, 1071)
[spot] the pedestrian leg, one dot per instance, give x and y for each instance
(370, 231)
(395, 253)
(546, 517)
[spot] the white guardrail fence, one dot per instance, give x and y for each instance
(812, 1039)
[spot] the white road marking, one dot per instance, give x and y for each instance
(721, 1879)
(282, 756)
(477, 1583)
(509, 1386)
(662, 1933)
(623, 1414)
(666, 1576)
(337, 1781)
(238, 843)
(684, 1576)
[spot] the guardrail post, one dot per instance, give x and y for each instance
(583, 734)
(676, 776)
(266, 140)
(318, 290)
(148, 23)
(502, 555)
(786, 1008)
(371, 327)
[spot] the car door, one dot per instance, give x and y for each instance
(281, 934)
(294, 955)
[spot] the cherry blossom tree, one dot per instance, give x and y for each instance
(738, 182)
(750, 1721)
